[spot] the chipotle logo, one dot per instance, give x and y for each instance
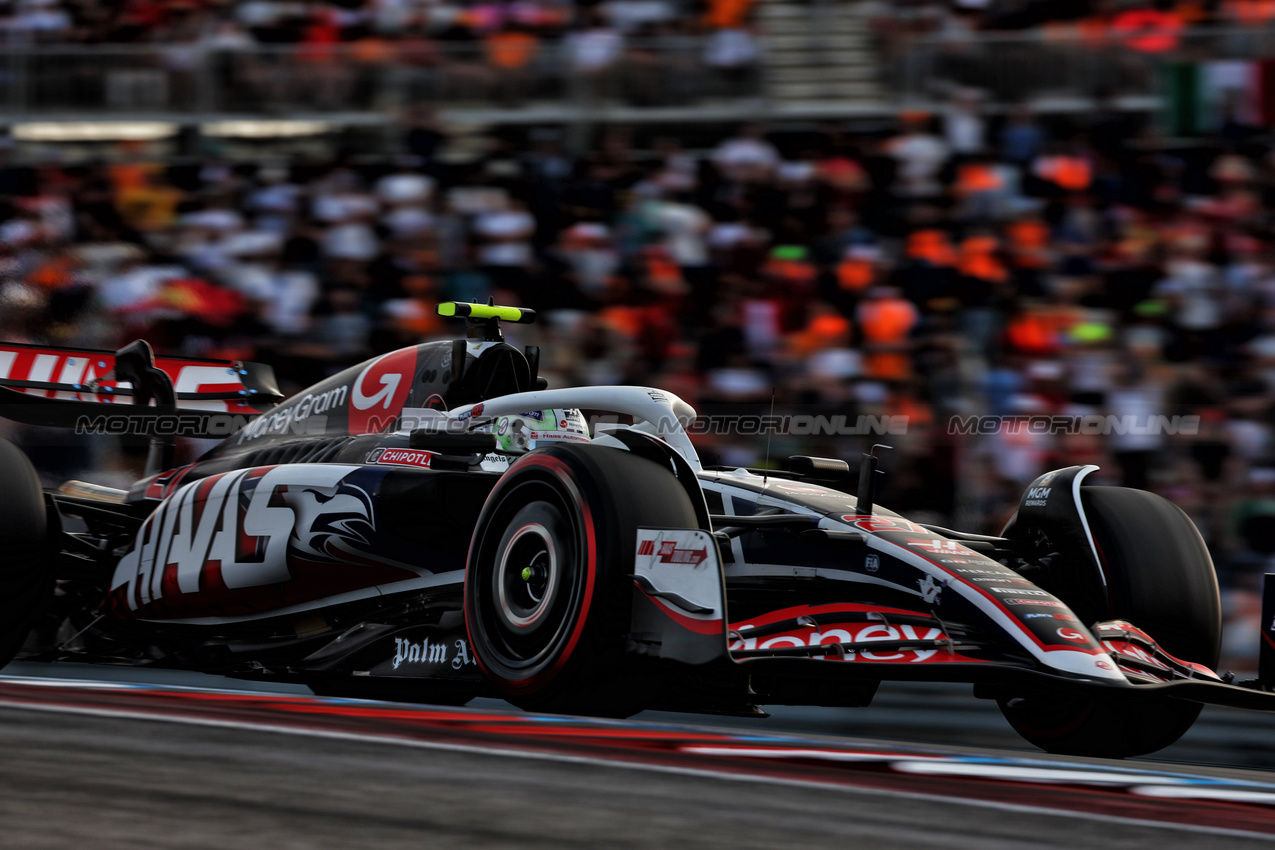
(401, 457)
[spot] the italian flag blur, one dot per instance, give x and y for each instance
(1200, 96)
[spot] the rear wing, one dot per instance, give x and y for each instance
(90, 376)
(102, 392)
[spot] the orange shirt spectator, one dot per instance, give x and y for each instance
(1251, 12)
(932, 246)
(979, 259)
(510, 50)
(918, 413)
(1030, 333)
(1095, 31)
(149, 206)
(662, 273)
(825, 330)
(372, 51)
(624, 319)
(856, 273)
(1073, 173)
(974, 177)
(1190, 12)
(54, 273)
(130, 175)
(1029, 243)
(886, 320)
(1041, 331)
(727, 14)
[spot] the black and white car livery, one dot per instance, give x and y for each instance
(367, 537)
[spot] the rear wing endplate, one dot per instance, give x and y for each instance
(131, 391)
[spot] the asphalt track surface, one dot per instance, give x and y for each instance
(166, 765)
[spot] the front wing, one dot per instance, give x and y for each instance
(680, 615)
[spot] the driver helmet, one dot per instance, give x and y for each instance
(522, 432)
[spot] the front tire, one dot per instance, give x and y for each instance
(26, 567)
(548, 590)
(1159, 577)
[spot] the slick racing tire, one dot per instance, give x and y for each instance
(1160, 578)
(26, 565)
(548, 585)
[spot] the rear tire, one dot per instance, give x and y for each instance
(548, 587)
(26, 568)
(1160, 578)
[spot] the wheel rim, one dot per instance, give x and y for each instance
(530, 593)
(527, 577)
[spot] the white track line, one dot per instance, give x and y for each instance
(627, 765)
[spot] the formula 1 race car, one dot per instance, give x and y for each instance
(435, 524)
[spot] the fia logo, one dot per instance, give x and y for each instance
(871, 562)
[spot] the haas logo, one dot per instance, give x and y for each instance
(331, 523)
(248, 529)
(668, 553)
(380, 391)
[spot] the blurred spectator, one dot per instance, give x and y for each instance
(505, 252)
(747, 157)
(1022, 138)
(593, 53)
(920, 155)
(964, 129)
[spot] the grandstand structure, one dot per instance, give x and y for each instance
(789, 60)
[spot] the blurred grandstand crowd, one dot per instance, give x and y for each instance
(236, 23)
(954, 265)
(353, 54)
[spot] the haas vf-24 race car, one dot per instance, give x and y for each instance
(436, 524)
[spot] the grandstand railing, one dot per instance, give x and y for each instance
(171, 81)
(168, 80)
(1063, 62)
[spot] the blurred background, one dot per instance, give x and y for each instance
(926, 208)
